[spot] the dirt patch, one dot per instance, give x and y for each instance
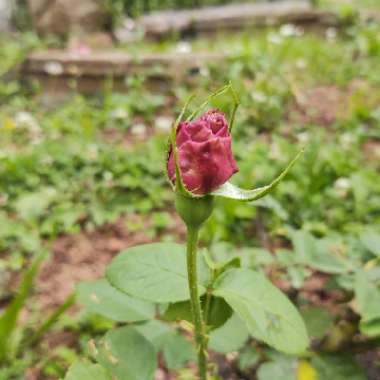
(371, 149)
(324, 105)
(320, 105)
(84, 256)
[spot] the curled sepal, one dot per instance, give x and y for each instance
(214, 95)
(179, 185)
(228, 190)
(235, 103)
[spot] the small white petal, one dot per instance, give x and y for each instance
(53, 68)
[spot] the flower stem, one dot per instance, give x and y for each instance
(200, 335)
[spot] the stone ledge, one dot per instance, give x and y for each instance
(56, 70)
(232, 17)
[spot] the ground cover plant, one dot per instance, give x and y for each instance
(71, 175)
(199, 164)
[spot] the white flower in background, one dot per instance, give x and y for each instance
(93, 151)
(204, 71)
(301, 64)
(164, 123)
(108, 176)
(119, 114)
(53, 68)
(26, 121)
(274, 38)
(183, 47)
(346, 140)
(331, 34)
(303, 137)
(128, 31)
(275, 151)
(138, 129)
(343, 183)
(290, 30)
(259, 97)
(232, 355)
(342, 186)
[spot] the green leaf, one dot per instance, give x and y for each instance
(127, 355)
(370, 328)
(229, 337)
(318, 253)
(368, 303)
(318, 321)
(233, 262)
(371, 241)
(176, 349)
(337, 367)
(248, 358)
(155, 331)
(87, 371)
(297, 275)
(155, 272)
(283, 367)
(33, 205)
(228, 190)
(219, 312)
(179, 311)
(102, 298)
(268, 313)
(8, 320)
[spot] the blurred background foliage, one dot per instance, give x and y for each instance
(77, 166)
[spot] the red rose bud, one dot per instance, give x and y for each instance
(204, 153)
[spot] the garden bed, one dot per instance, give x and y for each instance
(62, 71)
(83, 178)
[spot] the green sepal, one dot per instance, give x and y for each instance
(194, 212)
(179, 185)
(228, 190)
(221, 91)
(215, 94)
(236, 101)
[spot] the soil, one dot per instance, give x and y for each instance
(320, 105)
(324, 105)
(84, 256)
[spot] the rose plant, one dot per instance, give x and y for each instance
(152, 283)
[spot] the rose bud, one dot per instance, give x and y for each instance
(204, 153)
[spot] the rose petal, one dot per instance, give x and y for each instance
(182, 134)
(204, 153)
(217, 122)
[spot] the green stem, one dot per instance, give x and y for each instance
(200, 335)
(52, 319)
(207, 306)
